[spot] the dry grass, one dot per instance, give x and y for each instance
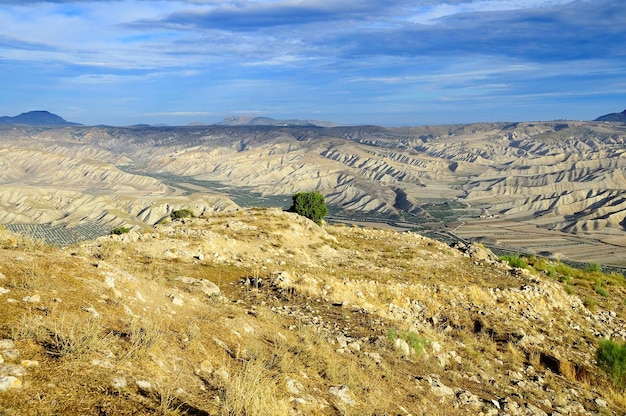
(252, 390)
(270, 336)
(74, 337)
(141, 335)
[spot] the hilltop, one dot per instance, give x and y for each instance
(620, 117)
(37, 118)
(262, 312)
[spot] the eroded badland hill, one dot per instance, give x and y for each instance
(262, 312)
(552, 188)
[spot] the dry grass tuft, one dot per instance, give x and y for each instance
(252, 391)
(142, 335)
(74, 337)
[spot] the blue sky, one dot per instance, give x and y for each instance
(391, 62)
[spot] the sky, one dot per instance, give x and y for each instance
(384, 62)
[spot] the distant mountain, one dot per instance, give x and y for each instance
(267, 121)
(613, 117)
(37, 118)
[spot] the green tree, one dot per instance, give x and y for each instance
(311, 205)
(181, 213)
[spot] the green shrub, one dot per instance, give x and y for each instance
(181, 213)
(593, 267)
(311, 205)
(611, 358)
(416, 342)
(120, 230)
(601, 290)
(515, 261)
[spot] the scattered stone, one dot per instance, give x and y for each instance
(438, 388)
(205, 286)
(374, 356)
(6, 344)
(31, 299)
(92, 311)
(119, 383)
(109, 282)
(601, 402)
(2, 276)
(30, 363)
(293, 386)
(342, 393)
(101, 363)
(4, 291)
(9, 382)
(11, 354)
(402, 346)
(144, 386)
(140, 297)
(12, 370)
(222, 374)
(176, 300)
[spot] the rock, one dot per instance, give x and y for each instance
(374, 356)
(4, 291)
(355, 346)
(176, 300)
(601, 402)
(222, 374)
(402, 347)
(438, 388)
(9, 382)
(119, 383)
(11, 354)
(342, 393)
(31, 299)
(12, 370)
(205, 286)
(2, 276)
(293, 386)
(6, 344)
(144, 386)
(92, 311)
(467, 399)
(29, 363)
(109, 281)
(101, 363)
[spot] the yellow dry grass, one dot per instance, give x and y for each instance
(112, 310)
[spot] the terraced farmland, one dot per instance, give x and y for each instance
(60, 235)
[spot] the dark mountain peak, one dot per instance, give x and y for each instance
(37, 118)
(621, 117)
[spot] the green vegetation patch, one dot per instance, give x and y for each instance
(611, 357)
(120, 230)
(181, 213)
(311, 205)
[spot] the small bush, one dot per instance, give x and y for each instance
(593, 268)
(590, 303)
(601, 290)
(311, 205)
(415, 341)
(120, 230)
(515, 261)
(181, 213)
(611, 358)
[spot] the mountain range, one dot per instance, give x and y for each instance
(37, 118)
